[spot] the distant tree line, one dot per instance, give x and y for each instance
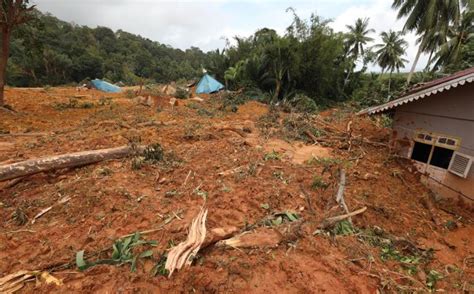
(48, 51)
(309, 59)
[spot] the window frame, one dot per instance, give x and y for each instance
(431, 138)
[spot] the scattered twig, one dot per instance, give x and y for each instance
(24, 134)
(21, 231)
(235, 130)
(13, 183)
(332, 220)
(187, 177)
(41, 213)
(308, 133)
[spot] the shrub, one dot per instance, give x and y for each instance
(303, 103)
(181, 93)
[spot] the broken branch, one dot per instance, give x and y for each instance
(332, 220)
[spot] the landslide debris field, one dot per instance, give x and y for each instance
(268, 177)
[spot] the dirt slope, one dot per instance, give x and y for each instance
(388, 247)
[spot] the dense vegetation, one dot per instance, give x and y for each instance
(309, 62)
(48, 51)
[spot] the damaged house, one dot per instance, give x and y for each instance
(433, 124)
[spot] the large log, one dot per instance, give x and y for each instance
(38, 165)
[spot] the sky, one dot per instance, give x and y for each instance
(206, 24)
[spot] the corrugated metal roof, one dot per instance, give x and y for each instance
(425, 90)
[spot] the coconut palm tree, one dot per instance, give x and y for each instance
(424, 18)
(458, 36)
(390, 53)
(356, 39)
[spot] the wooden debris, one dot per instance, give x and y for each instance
(155, 124)
(41, 213)
(332, 220)
(308, 133)
(235, 130)
(231, 171)
(183, 253)
(261, 237)
(14, 282)
(340, 193)
(38, 165)
(38, 134)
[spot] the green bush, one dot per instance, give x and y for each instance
(303, 103)
(181, 93)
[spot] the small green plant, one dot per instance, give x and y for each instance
(205, 112)
(159, 268)
(153, 153)
(130, 94)
(302, 103)
(73, 104)
(272, 156)
(137, 162)
(19, 217)
(201, 193)
(103, 172)
(122, 253)
(432, 278)
(319, 183)
(281, 217)
(181, 93)
(344, 228)
(326, 162)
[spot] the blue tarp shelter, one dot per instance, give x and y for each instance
(207, 85)
(105, 87)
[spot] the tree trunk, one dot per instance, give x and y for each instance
(3, 62)
(414, 65)
(38, 165)
(277, 89)
(429, 60)
(389, 82)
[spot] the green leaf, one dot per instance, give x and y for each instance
(265, 206)
(80, 262)
(291, 216)
(278, 221)
(133, 267)
(146, 253)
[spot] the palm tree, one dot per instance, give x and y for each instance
(458, 36)
(425, 17)
(356, 39)
(390, 52)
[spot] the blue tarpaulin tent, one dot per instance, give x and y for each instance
(207, 85)
(104, 86)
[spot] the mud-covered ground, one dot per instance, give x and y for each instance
(404, 242)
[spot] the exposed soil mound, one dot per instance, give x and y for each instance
(402, 242)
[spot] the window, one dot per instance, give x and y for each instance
(441, 157)
(434, 149)
(421, 152)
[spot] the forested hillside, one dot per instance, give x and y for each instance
(309, 62)
(48, 51)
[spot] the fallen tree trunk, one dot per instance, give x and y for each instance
(34, 166)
